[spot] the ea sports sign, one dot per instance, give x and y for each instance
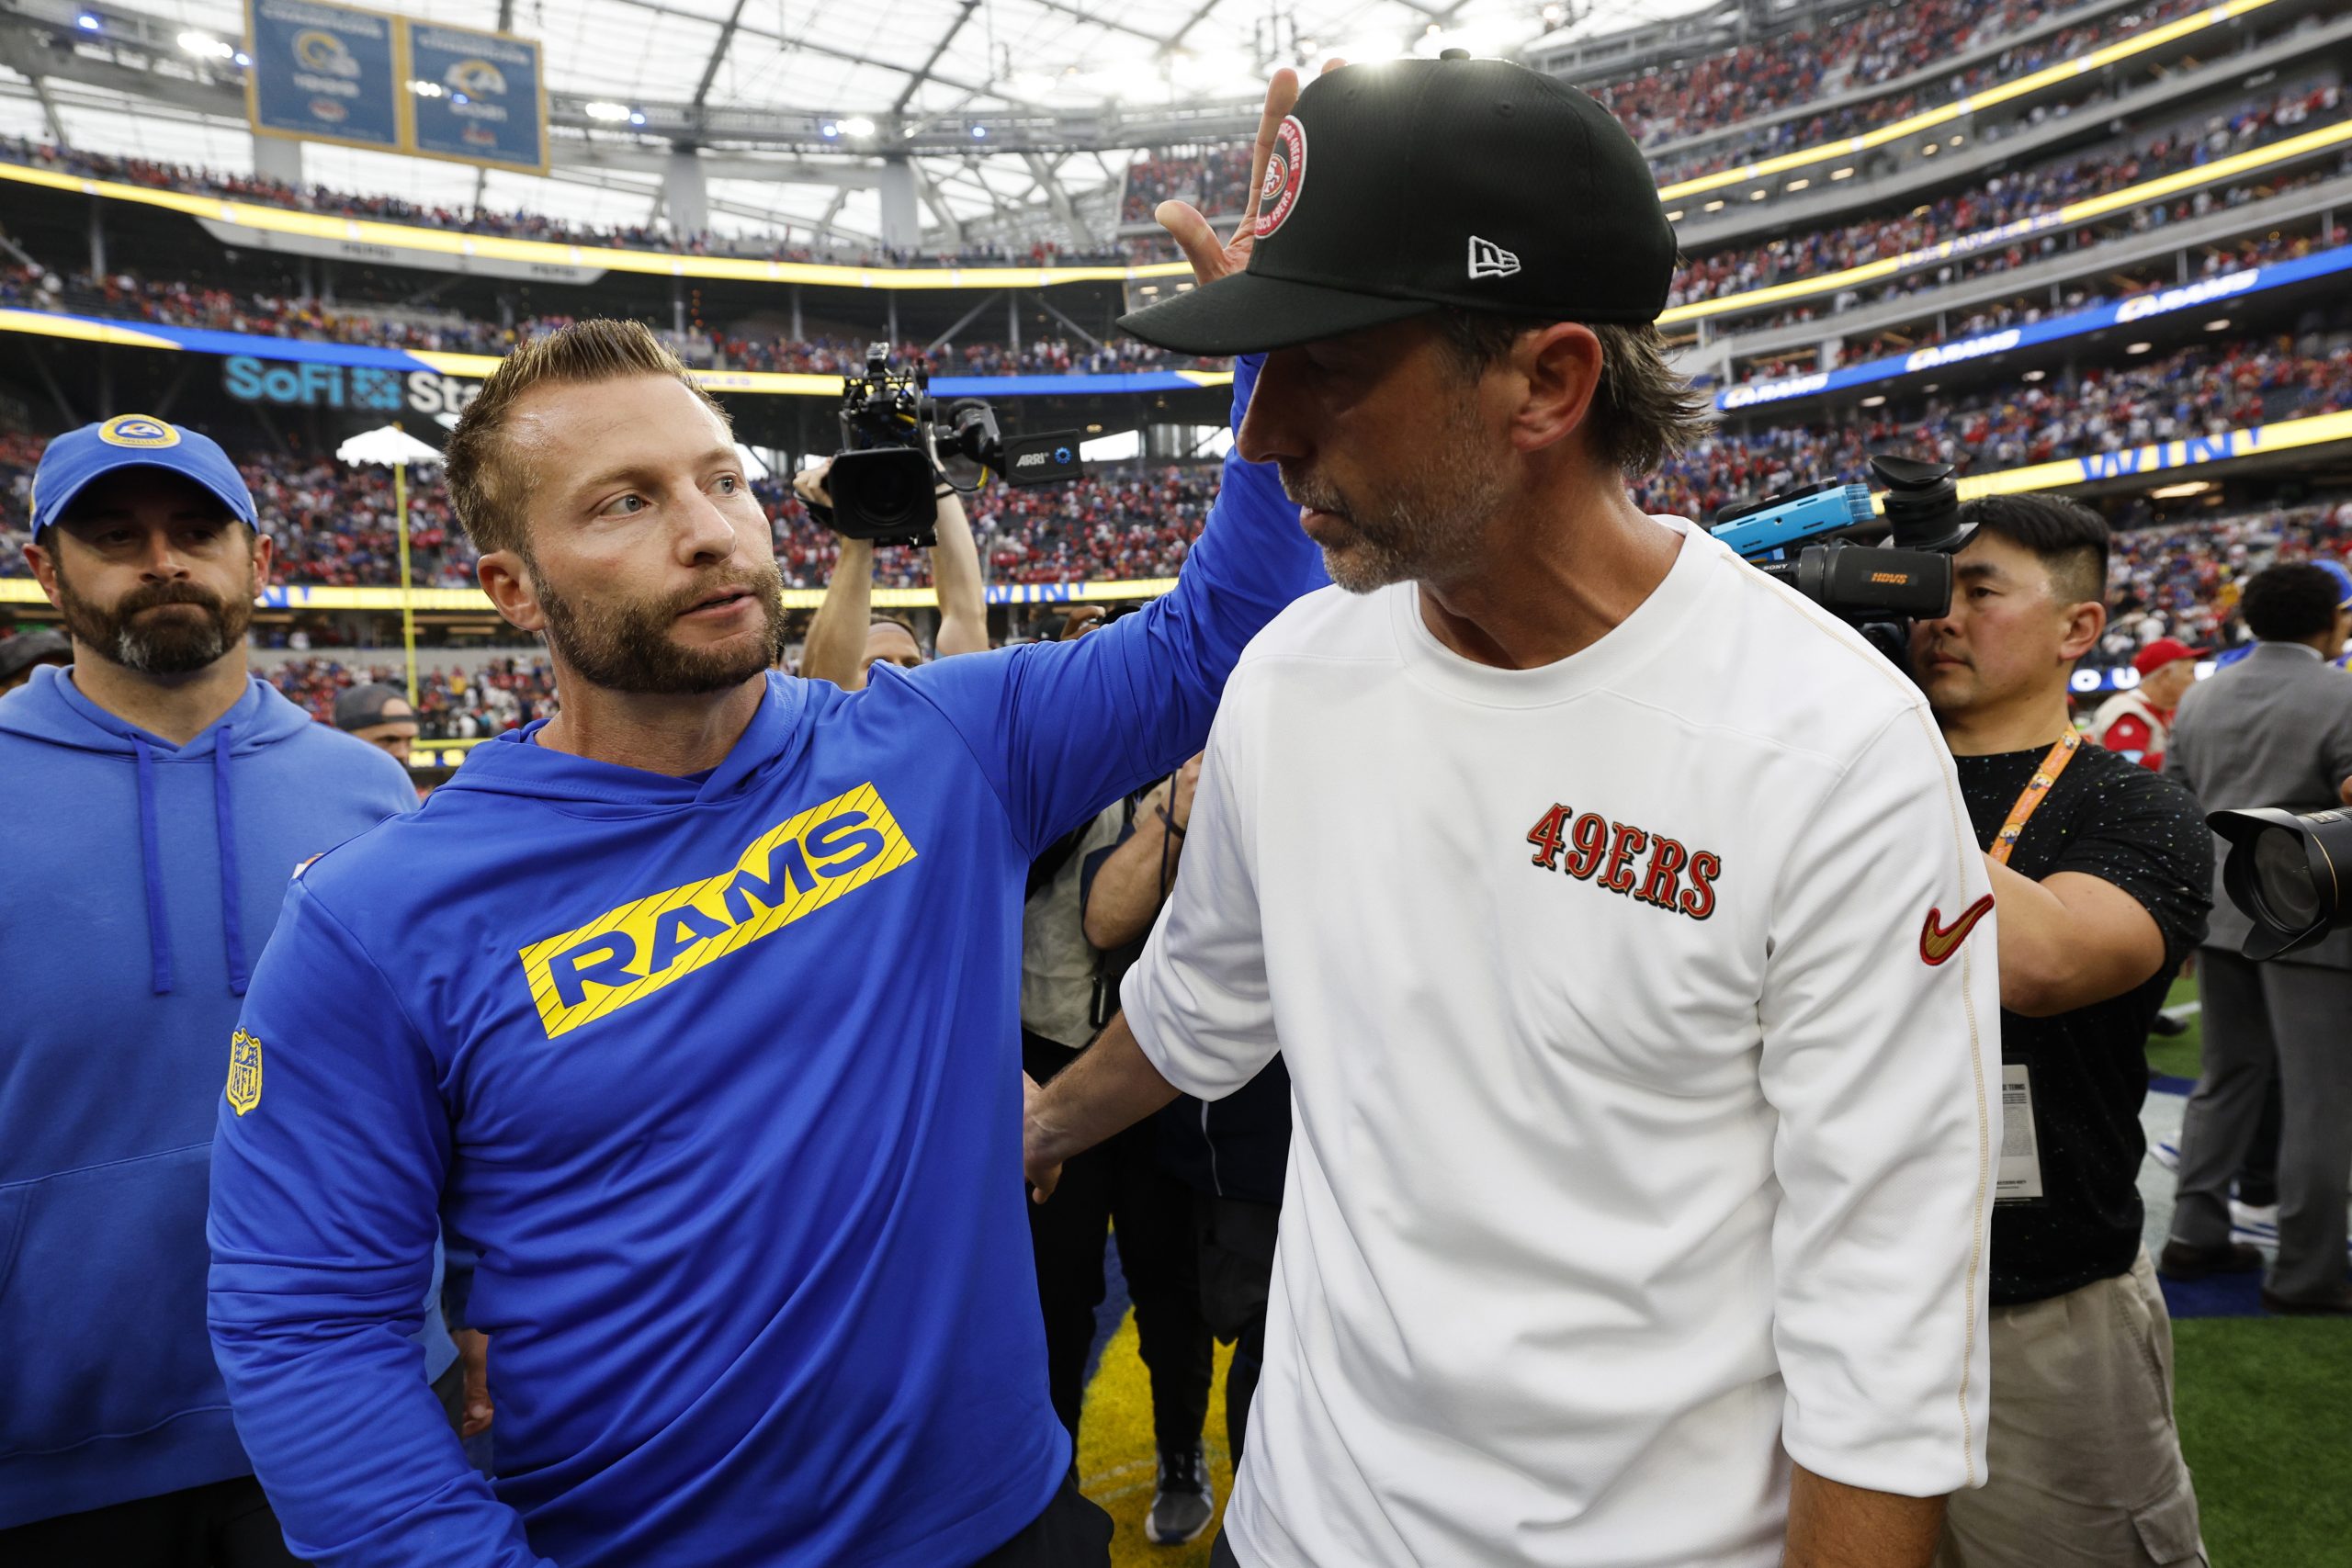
(1285, 176)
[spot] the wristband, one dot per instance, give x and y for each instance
(1172, 826)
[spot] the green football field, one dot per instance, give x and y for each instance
(2265, 1406)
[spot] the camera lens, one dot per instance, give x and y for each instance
(2282, 873)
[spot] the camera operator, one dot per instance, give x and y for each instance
(845, 638)
(1637, 1185)
(2274, 728)
(1229, 1153)
(163, 794)
(2101, 871)
(1068, 992)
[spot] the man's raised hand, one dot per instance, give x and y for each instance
(1192, 233)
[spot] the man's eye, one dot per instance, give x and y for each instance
(729, 484)
(625, 505)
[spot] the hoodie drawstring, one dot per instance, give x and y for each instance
(159, 927)
(224, 830)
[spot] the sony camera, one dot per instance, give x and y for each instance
(2285, 873)
(1877, 589)
(884, 479)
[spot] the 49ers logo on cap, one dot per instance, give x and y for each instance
(1286, 175)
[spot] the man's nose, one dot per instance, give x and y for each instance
(705, 533)
(1270, 432)
(162, 562)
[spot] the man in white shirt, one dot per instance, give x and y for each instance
(1611, 907)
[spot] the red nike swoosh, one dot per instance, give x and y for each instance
(1938, 941)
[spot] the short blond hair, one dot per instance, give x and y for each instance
(488, 502)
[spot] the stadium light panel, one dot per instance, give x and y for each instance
(600, 108)
(828, 130)
(860, 125)
(1795, 186)
(1846, 173)
(1715, 206)
(1931, 149)
(204, 46)
(980, 133)
(2138, 347)
(87, 22)
(1957, 137)
(1675, 216)
(2219, 324)
(1876, 399)
(2037, 374)
(2180, 491)
(1758, 194)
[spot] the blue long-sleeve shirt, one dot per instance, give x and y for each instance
(721, 1077)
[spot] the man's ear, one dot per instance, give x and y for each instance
(1561, 365)
(43, 567)
(2084, 623)
(265, 557)
(508, 582)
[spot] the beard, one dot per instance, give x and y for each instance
(1432, 532)
(172, 644)
(627, 646)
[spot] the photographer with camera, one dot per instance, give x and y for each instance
(2101, 871)
(1640, 1167)
(2272, 729)
(845, 638)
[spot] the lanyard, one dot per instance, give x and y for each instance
(2054, 762)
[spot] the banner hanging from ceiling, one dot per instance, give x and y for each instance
(478, 98)
(324, 72)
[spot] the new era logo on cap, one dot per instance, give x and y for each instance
(1489, 259)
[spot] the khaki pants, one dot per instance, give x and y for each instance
(2082, 1451)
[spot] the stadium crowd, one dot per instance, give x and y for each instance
(2197, 392)
(2003, 200)
(517, 224)
(453, 702)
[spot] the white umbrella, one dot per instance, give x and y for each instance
(389, 447)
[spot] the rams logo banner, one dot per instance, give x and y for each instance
(245, 1072)
(138, 430)
(792, 870)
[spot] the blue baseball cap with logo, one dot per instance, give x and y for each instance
(133, 441)
(2343, 575)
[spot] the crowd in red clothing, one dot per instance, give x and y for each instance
(2003, 200)
(1214, 179)
(2197, 391)
(518, 224)
(453, 702)
(1694, 115)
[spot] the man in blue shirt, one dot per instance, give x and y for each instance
(163, 795)
(693, 1007)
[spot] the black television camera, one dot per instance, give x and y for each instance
(2286, 872)
(884, 480)
(1878, 589)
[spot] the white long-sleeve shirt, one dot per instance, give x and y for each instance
(1639, 1145)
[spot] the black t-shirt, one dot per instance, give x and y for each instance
(2107, 817)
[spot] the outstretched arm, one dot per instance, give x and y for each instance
(835, 651)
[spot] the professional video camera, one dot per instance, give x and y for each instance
(2286, 872)
(1880, 589)
(884, 480)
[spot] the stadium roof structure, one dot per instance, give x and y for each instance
(1011, 111)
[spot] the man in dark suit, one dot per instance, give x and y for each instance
(2274, 729)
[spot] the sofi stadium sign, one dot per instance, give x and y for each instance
(2118, 312)
(316, 384)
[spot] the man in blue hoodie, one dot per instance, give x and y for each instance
(694, 1008)
(165, 797)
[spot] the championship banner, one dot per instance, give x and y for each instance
(324, 72)
(479, 97)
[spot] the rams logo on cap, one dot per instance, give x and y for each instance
(138, 430)
(1285, 176)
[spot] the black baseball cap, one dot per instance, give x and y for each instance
(362, 706)
(1400, 186)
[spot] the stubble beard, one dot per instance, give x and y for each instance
(628, 645)
(1433, 532)
(166, 645)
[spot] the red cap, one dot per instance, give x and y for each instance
(2163, 652)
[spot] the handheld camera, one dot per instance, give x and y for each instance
(1877, 589)
(884, 480)
(2286, 872)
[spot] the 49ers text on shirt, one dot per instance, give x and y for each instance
(1591, 848)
